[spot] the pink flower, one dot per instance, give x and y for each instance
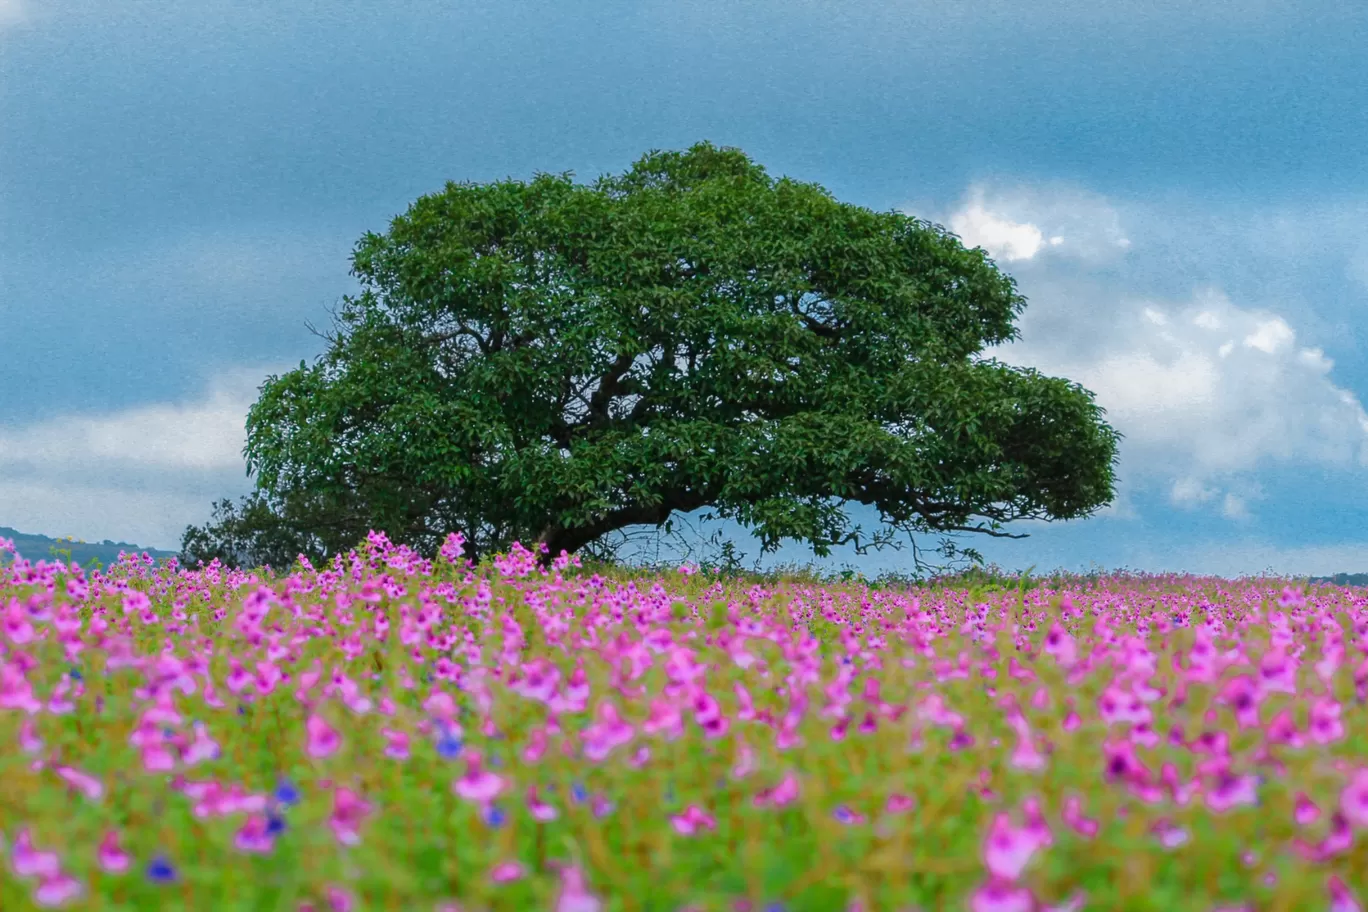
(253, 836)
(157, 758)
(1341, 898)
(202, 748)
(1007, 849)
(349, 809)
(506, 872)
(83, 783)
(897, 803)
(478, 784)
(1001, 896)
(1325, 721)
(745, 761)
(1060, 645)
(692, 820)
(574, 892)
(786, 792)
(30, 862)
(29, 742)
(1230, 790)
(1170, 835)
(1026, 756)
(608, 732)
(323, 739)
(396, 743)
(56, 890)
(1306, 810)
(110, 856)
(539, 809)
(1354, 799)
(338, 899)
(441, 707)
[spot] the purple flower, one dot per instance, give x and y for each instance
(449, 746)
(286, 793)
(160, 870)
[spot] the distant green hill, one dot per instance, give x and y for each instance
(36, 547)
(1343, 579)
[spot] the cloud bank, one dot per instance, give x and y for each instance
(140, 474)
(1208, 392)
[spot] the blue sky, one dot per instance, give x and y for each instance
(1180, 188)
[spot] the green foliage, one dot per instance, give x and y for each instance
(549, 362)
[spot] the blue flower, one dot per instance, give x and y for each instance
(76, 674)
(495, 817)
(449, 746)
(160, 870)
(578, 793)
(842, 813)
(286, 793)
(275, 824)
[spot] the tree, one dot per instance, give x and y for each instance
(549, 362)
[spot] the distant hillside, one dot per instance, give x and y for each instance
(1343, 579)
(35, 548)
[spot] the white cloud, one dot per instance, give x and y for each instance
(1013, 225)
(1001, 238)
(140, 475)
(1315, 359)
(1270, 336)
(1189, 407)
(1207, 392)
(204, 435)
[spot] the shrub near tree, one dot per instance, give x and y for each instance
(549, 363)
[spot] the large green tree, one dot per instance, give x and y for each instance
(549, 362)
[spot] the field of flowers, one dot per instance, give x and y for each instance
(395, 733)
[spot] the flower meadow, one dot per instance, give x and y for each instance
(398, 733)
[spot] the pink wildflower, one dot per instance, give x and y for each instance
(1341, 898)
(30, 862)
(349, 809)
(1354, 799)
(85, 784)
(506, 872)
(56, 890)
(253, 836)
(1001, 896)
(323, 739)
(1007, 849)
(110, 856)
(574, 892)
(692, 821)
(478, 784)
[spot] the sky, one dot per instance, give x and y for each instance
(1179, 187)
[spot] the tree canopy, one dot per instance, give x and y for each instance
(549, 362)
